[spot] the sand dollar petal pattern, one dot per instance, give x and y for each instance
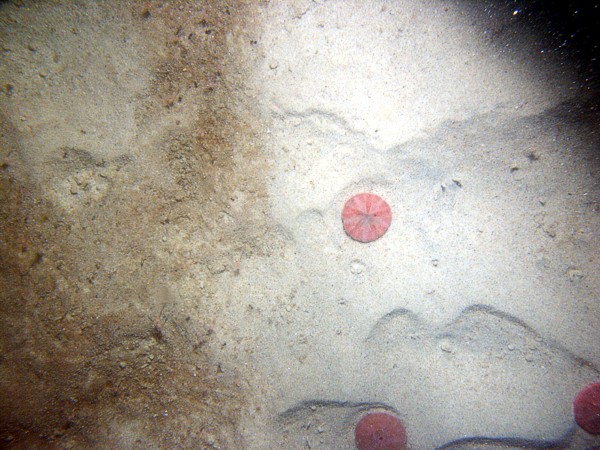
(366, 217)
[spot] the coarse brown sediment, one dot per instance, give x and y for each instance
(95, 349)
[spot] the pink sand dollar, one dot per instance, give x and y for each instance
(587, 409)
(366, 217)
(380, 431)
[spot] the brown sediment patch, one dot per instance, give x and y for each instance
(107, 335)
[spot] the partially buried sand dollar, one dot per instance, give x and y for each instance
(366, 217)
(586, 408)
(380, 431)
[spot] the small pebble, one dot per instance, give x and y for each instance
(445, 346)
(357, 267)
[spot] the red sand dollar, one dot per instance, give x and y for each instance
(366, 217)
(380, 431)
(587, 409)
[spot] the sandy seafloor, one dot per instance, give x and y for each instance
(174, 270)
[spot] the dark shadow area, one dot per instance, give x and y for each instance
(562, 28)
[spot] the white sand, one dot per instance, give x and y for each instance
(468, 315)
(475, 317)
